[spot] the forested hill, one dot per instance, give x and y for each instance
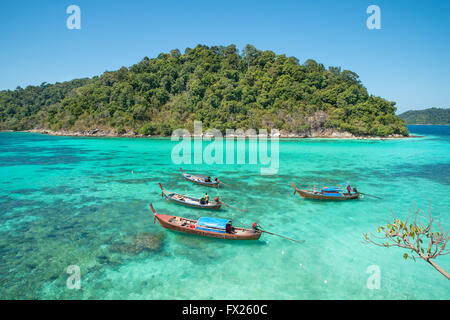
(427, 116)
(220, 86)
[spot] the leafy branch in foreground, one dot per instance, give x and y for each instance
(419, 238)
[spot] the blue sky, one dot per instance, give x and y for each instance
(407, 61)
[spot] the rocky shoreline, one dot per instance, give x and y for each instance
(323, 134)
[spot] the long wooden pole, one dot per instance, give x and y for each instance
(370, 195)
(279, 235)
(220, 182)
(225, 204)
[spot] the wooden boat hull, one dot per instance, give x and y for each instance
(188, 201)
(203, 183)
(191, 178)
(211, 206)
(164, 220)
(307, 194)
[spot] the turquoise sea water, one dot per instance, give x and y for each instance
(84, 201)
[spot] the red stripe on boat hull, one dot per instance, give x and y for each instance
(164, 220)
(311, 195)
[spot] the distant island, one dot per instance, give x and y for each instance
(218, 85)
(427, 116)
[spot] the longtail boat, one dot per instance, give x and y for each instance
(206, 227)
(326, 193)
(189, 201)
(200, 179)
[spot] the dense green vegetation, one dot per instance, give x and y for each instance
(217, 85)
(427, 116)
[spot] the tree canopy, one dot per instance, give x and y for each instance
(219, 85)
(427, 116)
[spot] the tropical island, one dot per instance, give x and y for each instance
(435, 116)
(220, 86)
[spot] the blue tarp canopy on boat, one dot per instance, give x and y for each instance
(330, 189)
(332, 194)
(213, 222)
